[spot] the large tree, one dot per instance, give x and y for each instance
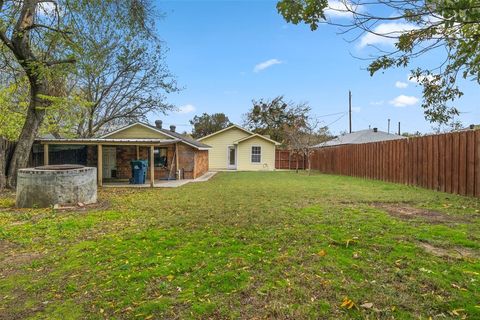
(208, 123)
(445, 28)
(40, 41)
(271, 117)
(121, 78)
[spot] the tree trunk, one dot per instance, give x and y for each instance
(35, 114)
(309, 164)
(3, 164)
(296, 163)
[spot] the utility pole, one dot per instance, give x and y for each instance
(399, 128)
(350, 110)
(388, 126)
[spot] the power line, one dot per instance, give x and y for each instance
(338, 119)
(331, 114)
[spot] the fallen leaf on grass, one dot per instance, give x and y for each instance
(457, 312)
(322, 253)
(128, 309)
(426, 270)
(351, 241)
(367, 305)
(347, 303)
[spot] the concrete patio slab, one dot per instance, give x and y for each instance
(159, 183)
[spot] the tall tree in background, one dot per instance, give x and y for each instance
(271, 117)
(208, 123)
(121, 77)
(40, 42)
(416, 28)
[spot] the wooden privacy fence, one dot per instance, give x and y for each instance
(284, 159)
(445, 162)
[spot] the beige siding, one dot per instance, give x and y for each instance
(138, 132)
(217, 156)
(244, 153)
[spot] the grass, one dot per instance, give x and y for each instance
(245, 245)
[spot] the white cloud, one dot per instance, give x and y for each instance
(385, 34)
(341, 9)
(188, 108)
(401, 85)
(266, 64)
(377, 103)
(403, 101)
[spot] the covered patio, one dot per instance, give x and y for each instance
(112, 158)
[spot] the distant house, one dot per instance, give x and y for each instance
(171, 155)
(362, 136)
(236, 148)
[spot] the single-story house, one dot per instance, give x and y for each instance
(236, 148)
(362, 136)
(170, 155)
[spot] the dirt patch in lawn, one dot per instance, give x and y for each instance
(406, 212)
(12, 260)
(453, 252)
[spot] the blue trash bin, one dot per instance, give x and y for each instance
(139, 171)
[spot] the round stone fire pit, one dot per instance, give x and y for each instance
(46, 186)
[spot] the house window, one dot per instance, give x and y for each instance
(160, 157)
(256, 154)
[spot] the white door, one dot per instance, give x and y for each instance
(232, 157)
(109, 161)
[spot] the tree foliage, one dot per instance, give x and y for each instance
(450, 27)
(121, 75)
(272, 117)
(208, 123)
(42, 40)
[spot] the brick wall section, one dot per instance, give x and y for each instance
(186, 158)
(201, 162)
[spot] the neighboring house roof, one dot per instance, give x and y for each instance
(251, 135)
(174, 135)
(225, 129)
(256, 135)
(362, 136)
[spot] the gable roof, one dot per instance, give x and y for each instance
(362, 136)
(174, 135)
(258, 136)
(226, 129)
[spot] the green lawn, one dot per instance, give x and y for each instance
(246, 245)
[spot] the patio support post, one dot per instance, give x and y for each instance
(138, 152)
(152, 167)
(100, 165)
(45, 154)
(176, 160)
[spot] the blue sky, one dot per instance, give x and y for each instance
(226, 53)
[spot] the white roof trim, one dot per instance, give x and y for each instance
(225, 129)
(259, 136)
(134, 124)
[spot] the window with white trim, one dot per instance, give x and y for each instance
(256, 154)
